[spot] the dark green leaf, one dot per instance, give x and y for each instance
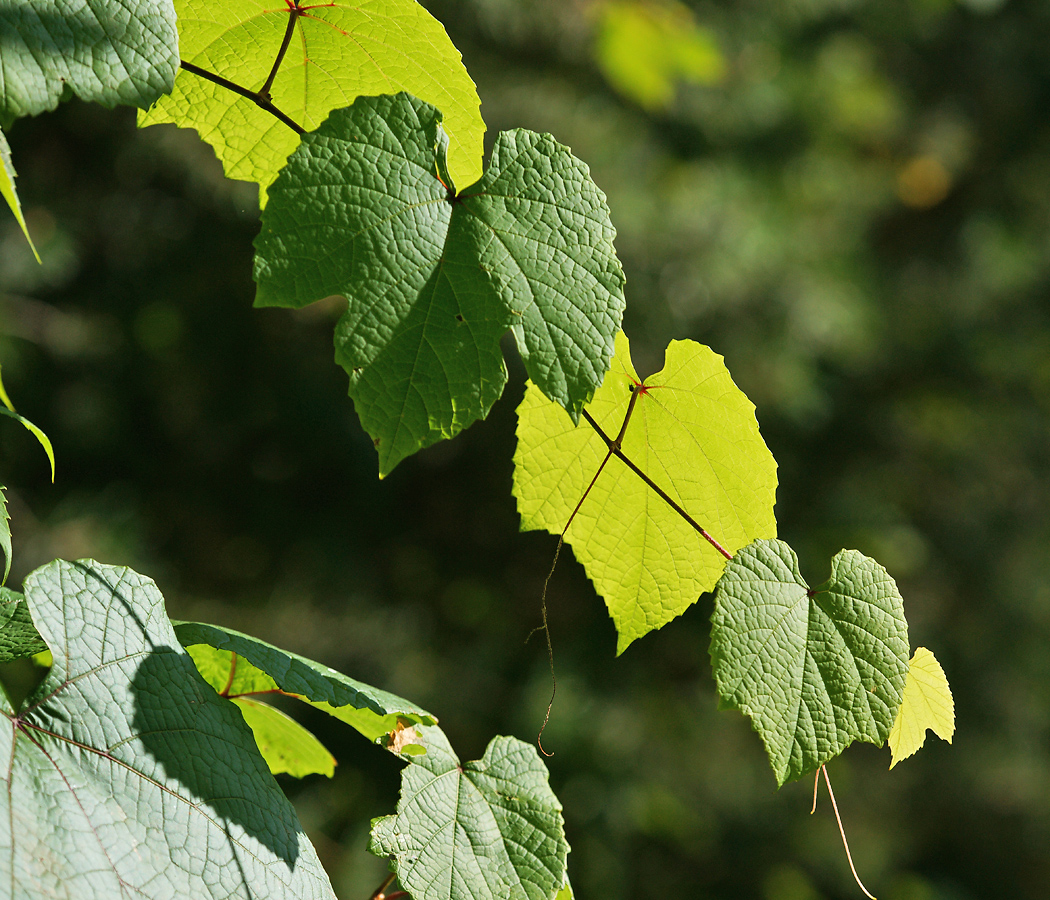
(18, 636)
(815, 669)
(104, 51)
(261, 666)
(433, 280)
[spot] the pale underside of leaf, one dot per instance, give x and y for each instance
(927, 704)
(814, 669)
(100, 50)
(486, 830)
(695, 434)
(127, 775)
(432, 280)
(339, 51)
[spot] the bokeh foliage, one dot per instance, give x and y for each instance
(854, 213)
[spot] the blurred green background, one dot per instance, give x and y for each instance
(849, 200)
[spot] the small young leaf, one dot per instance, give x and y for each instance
(927, 703)
(7, 189)
(261, 667)
(433, 280)
(338, 52)
(101, 50)
(694, 433)
(8, 410)
(815, 669)
(125, 774)
(486, 830)
(18, 636)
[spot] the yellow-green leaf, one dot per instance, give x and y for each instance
(927, 704)
(694, 433)
(338, 51)
(286, 746)
(7, 189)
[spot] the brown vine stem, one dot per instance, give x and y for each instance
(614, 448)
(842, 831)
(293, 14)
(545, 628)
(380, 892)
(260, 101)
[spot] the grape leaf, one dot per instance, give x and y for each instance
(339, 51)
(927, 703)
(566, 892)
(18, 635)
(104, 51)
(126, 774)
(815, 669)
(261, 666)
(485, 830)
(7, 189)
(694, 433)
(286, 745)
(433, 280)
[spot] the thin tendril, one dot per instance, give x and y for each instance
(816, 784)
(842, 832)
(545, 627)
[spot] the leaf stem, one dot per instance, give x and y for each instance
(257, 99)
(293, 13)
(842, 832)
(619, 454)
(380, 892)
(225, 692)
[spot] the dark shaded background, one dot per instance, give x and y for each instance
(851, 203)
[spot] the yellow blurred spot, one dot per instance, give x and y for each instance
(644, 48)
(923, 182)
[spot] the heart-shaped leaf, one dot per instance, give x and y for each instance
(814, 668)
(694, 433)
(338, 51)
(434, 279)
(485, 830)
(103, 51)
(126, 774)
(927, 704)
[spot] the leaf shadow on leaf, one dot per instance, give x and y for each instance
(212, 755)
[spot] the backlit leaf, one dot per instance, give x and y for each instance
(104, 51)
(8, 410)
(339, 51)
(286, 746)
(485, 830)
(694, 433)
(433, 280)
(262, 667)
(815, 669)
(7, 189)
(125, 774)
(927, 704)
